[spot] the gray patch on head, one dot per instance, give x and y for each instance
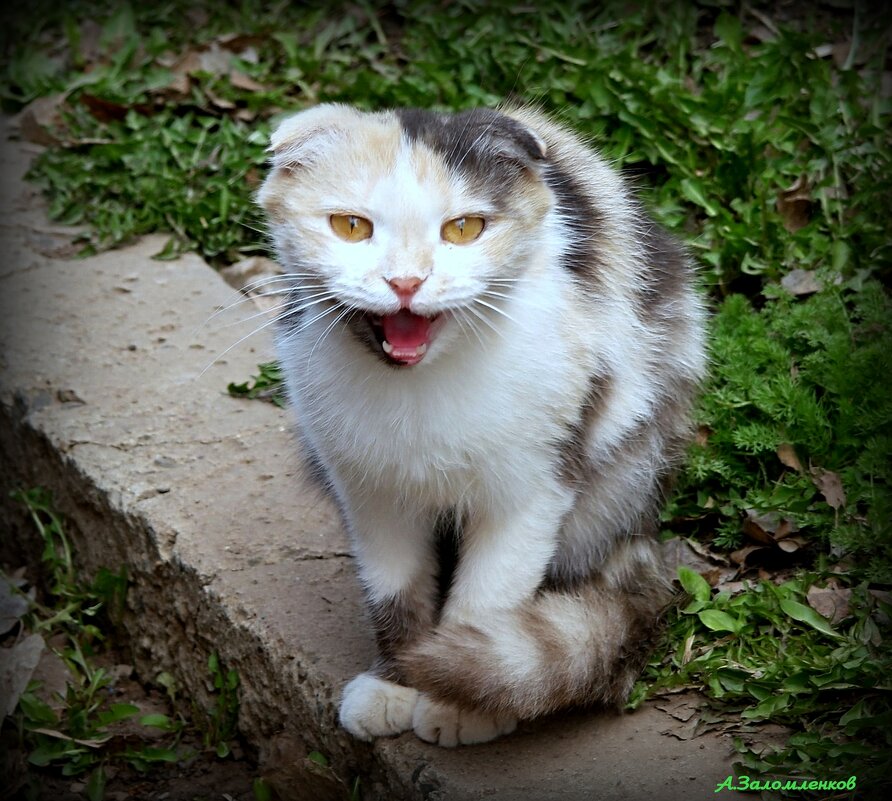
(488, 148)
(495, 151)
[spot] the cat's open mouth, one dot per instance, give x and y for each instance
(404, 337)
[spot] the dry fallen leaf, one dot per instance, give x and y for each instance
(794, 204)
(791, 544)
(831, 602)
(12, 604)
(703, 433)
(17, 665)
(39, 118)
(241, 81)
(741, 556)
(801, 282)
(787, 454)
(785, 529)
(761, 527)
(830, 486)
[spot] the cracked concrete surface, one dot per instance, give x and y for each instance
(113, 395)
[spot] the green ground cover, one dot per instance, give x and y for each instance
(760, 136)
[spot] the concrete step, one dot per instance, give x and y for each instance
(113, 396)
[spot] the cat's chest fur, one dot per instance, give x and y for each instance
(440, 429)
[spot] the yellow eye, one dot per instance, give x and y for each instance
(462, 230)
(350, 228)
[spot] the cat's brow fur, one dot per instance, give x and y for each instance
(543, 425)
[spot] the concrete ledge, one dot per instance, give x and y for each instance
(103, 401)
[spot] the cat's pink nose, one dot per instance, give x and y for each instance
(405, 287)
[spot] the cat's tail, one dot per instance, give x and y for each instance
(561, 648)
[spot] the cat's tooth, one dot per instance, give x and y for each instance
(388, 348)
(421, 349)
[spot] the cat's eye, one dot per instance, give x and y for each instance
(351, 227)
(462, 230)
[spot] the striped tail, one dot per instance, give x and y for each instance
(560, 649)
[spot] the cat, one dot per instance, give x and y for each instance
(492, 353)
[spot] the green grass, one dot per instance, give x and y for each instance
(743, 135)
(85, 733)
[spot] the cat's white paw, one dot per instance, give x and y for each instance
(448, 725)
(372, 707)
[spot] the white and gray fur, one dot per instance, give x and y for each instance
(503, 494)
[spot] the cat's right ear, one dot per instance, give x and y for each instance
(302, 136)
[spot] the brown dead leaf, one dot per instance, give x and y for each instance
(742, 555)
(688, 649)
(787, 454)
(213, 59)
(785, 529)
(241, 81)
(702, 436)
(108, 111)
(244, 44)
(13, 603)
(17, 665)
(39, 118)
(692, 554)
(220, 102)
(830, 486)
(178, 85)
(682, 706)
(54, 677)
(734, 587)
(794, 204)
(761, 527)
(831, 602)
(801, 282)
(791, 544)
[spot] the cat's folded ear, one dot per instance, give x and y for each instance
(298, 138)
(494, 135)
(519, 142)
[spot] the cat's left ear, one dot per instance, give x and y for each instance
(301, 137)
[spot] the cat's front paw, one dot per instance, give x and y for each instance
(449, 725)
(372, 707)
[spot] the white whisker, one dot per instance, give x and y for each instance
(461, 319)
(236, 344)
(495, 309)
(484, 319)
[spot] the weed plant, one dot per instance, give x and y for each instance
(85, 732)
(760, 139)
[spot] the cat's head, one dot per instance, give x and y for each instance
(409, 228)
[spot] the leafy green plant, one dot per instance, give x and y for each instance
(79, 732)
(768, 655)
(266, 385)
(222, 718)
(809, 375)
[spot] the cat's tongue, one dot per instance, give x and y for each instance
(406, 336)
